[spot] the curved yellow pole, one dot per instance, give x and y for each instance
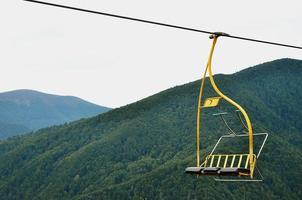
(198, 118)
(246, 117)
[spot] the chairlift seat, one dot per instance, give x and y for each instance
(194, 170)
(224, 165)
(229, 171)
(210, 170)
(233, 171)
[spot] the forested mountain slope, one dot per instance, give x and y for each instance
(140, 151)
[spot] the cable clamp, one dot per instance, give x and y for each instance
(218, 34)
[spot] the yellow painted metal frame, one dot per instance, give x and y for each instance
(245, 115)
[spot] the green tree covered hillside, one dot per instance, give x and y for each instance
(140, 151)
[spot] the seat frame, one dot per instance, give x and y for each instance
(208, 169)
(242, 135)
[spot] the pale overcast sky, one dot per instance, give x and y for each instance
(113, 62)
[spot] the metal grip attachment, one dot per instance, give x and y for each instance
(218, 34)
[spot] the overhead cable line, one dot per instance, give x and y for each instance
(164, 24)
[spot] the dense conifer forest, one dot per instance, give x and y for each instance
(140, 151)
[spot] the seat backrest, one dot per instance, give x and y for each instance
(228, 160)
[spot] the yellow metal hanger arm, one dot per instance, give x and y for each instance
(245, 115)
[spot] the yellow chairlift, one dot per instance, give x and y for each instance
(226, 166)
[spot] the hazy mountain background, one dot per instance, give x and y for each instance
(140, 151)
(22, 111)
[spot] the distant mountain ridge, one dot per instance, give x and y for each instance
(25, 110)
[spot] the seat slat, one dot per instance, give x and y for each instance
(212, 159)
(247, 161)
(218, 162)
(225, 161)
(233, 160)
(239, 162)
